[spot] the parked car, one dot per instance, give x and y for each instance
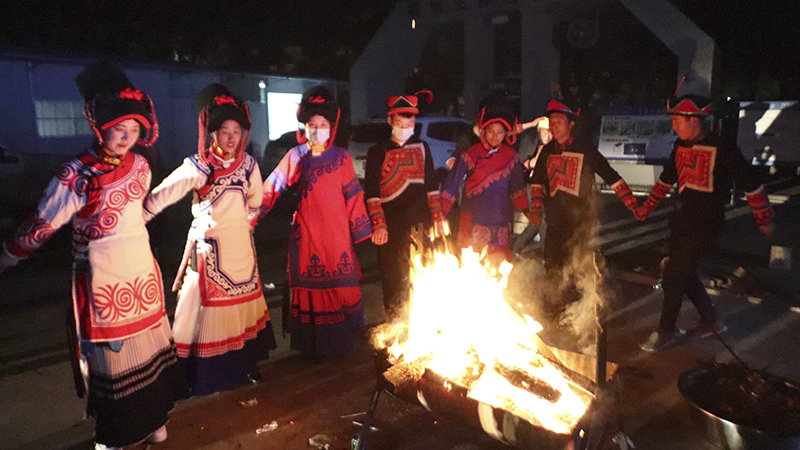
(275, 150)
(441, 134)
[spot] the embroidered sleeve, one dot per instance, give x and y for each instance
(283, 176)
(435, 206)
(452, 184)
(660, 190)
(759, 203)
(255, 194)
(537, 196)
(376, 215)
(360, 225)
(625, 194)
(64, 196)
(516, 187)
(189, 175)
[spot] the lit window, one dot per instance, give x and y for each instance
(61, 119)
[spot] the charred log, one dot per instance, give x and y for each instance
(522, 380)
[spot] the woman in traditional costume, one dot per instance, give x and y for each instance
(494, 185)
(127, 357)
(222, 326)
(330, 218)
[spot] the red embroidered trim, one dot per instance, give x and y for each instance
(759, 203)
(660, 190)
(624, 193)
(223, 99)
(564, 173)
(435, 206)
(131, 94)
(34, 233)
(695, 167)
(376, 215)
(401, 167)
(520, 200)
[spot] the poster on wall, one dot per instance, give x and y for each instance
(636, 138)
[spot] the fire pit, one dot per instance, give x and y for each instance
(482, 361)
(742, 409)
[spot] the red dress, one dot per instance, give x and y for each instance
(323, 270)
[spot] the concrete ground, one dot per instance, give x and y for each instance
(316, 403)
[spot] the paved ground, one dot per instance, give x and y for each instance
(319, 401)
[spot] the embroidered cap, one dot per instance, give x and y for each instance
(496, 111)
(219, 105)
(408, 104)
(689, 105)
(555, 106)
(111, 98)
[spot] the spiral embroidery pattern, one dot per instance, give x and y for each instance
(113, 202)
(123, 300)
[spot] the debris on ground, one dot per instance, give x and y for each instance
(320, 441)
(268, 427)
(248, 403)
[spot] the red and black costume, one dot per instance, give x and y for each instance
(704, 171)
(401, 191)
(563, 183)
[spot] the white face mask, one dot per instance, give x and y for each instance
(402, 134)
(318, 136)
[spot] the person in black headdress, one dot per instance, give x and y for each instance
(126, 356)
(222, 326)
(703, 167)
(324, 274)
(402, 193)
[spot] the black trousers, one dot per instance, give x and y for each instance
(687, 247)
(394, 258)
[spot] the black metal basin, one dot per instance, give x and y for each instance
(734, 415)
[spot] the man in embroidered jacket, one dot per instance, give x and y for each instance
(563, 185)
(402, 193)
(703, 167)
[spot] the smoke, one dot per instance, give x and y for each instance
(582, 278)
(567, 299)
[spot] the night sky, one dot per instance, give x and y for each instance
(759, 42)
(308, 37)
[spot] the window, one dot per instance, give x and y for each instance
(282, 113)
(61, 119)
(448, 131)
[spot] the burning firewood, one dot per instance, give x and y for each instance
(522, 380)
(405, 375)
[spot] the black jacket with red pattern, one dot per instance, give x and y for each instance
(401, 182)
(704, 171)
(564, 175)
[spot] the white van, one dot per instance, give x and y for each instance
(441, 134)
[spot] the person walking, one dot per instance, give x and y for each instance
(704, 168)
